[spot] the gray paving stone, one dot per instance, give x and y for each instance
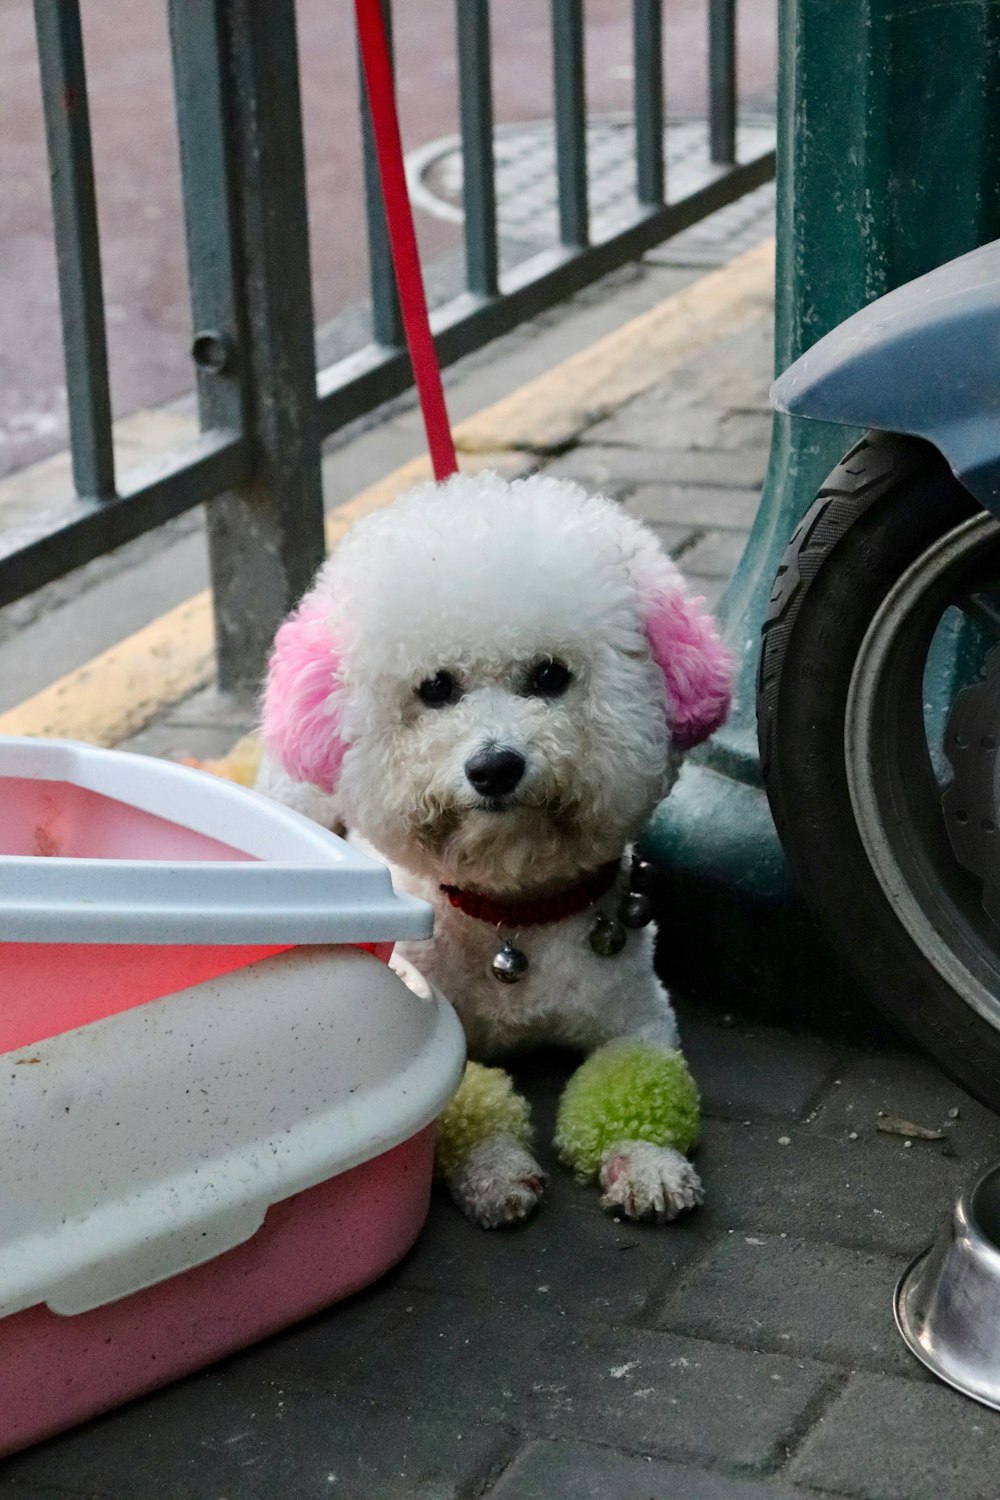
(793, 1298)
(601, 479)
(715, 554)
(232, 711)
(533, 1367)
(683, 421)
(15, 1491)
(738, 370)
(891, 1439)
(351, 464)
(678, 418)
(677, 540)
(694, 505)
(580, 1471)
(577, 1263)
(493, 372)
(218, 1439)
(206, 725)
(715, 240)
(716, 466)
(673, 1397)
(322, 1351)
(434, 1354)
(909, 1089)
(169, 741)
(745, 429)
(866, 1195)
(596, 464)
(733, 373)
(718, 399)
(757, 1073)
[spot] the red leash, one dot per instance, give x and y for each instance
(402, 238)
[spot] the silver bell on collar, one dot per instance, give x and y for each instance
(510, 964)
(607, 937)
(636, 910)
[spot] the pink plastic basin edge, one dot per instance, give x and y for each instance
(313, 1249)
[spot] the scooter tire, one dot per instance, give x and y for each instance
(888, 500)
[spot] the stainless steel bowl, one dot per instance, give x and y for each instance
(948, 1301)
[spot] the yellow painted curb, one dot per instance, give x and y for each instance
(115, 694)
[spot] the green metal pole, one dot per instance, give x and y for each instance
(888, 164)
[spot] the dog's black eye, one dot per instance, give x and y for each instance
(548, 679)
(438, 690)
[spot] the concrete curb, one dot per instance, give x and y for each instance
(119, 691)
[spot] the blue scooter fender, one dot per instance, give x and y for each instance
(923, 360)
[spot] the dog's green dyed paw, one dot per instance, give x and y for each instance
(626, 1092)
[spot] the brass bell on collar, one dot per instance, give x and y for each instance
(636, 910)
(607, 937)
(510, 964)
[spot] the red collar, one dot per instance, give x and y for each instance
(555, 908)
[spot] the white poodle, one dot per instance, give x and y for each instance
(492, 685)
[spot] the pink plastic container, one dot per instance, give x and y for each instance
(217, 1112)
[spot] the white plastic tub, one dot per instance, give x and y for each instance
(217, 1113)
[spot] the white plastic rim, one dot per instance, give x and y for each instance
(295, 881)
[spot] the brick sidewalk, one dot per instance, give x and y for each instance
(747, 1352)
(689, 457)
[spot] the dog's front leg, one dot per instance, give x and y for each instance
(483, 1150)
(627, 1116)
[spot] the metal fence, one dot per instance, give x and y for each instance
(264, 409)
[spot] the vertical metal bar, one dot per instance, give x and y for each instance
(198, 46)
(78, 254)
(647, 33)
(250, 261)
(387, 320)
(571, 121)
(478, 170)
(722, 80)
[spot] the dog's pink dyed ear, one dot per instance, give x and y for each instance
(300, 723)
(697, 667)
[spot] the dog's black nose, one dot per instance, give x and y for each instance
(494, 773)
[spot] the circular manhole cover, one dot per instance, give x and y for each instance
(525, 158)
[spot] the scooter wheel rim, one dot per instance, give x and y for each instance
(896, 809)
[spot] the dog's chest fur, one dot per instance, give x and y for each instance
(570, 996)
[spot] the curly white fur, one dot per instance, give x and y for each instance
(647, 1182)
(498, 1183)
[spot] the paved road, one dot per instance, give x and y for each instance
(139, 200)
